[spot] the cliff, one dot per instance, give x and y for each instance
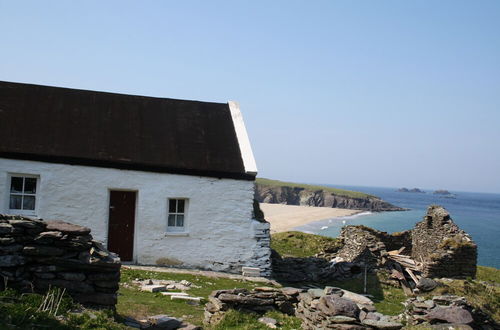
(278, 192)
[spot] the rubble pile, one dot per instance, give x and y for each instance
(36, 255)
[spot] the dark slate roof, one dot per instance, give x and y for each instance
(83, 127)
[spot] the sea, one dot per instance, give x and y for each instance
(476, 213)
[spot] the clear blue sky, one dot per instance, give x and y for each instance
(374, 93)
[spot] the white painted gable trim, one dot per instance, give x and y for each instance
(243, 140)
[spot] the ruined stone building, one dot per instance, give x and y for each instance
(159, 181)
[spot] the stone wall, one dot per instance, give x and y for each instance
(444, 249)
(36, 255)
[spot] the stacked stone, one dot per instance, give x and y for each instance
(448, 311)
(262, 248)
(334, 308)
(362, 245)
(36, 255)
(259, 300)
(444, 249)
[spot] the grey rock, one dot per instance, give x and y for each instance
(67, 228)
(332, 305)
(236, 299)
(12, 261)
(382, 324)
(268, 321)
(426, 284)
(341, 319)
(29, 224)
(316, 293)
(372, 316)
(451, 314)
(46, 276)
(71, 276)
(11, 248)
(163, 322)
(5, 228)
(7, 240)
(41, 250)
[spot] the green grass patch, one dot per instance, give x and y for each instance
(249, 321)
(335, 191)
(21, 311)
(301, 245)
(138, 304)
(488, 274)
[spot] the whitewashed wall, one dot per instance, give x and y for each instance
(221, 233)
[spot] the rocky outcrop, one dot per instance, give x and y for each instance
(36, 255)
(302, 196)
(444, 249)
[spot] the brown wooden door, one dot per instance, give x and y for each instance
(121, 223)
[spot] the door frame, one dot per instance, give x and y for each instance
(134, 252)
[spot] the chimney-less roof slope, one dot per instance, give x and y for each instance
(122, 131)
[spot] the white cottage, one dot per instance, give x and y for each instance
(160, 181)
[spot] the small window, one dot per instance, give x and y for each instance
(176, 215)
(22, 197)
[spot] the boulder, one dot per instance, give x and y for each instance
(332, 305)
(426, 284)
(451, 314)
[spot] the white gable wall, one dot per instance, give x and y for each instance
(221, 234)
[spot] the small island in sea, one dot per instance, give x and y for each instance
(414, 190)
(441, 192)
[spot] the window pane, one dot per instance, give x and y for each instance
(16, 184)
(180, 206)
(29, 185)
(180, 221)
(171, 220)
(171, 205)
(29, 203)
(15, 202)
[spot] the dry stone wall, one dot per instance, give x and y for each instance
(36, 255)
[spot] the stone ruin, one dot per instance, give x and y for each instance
(444, 249)
(36, 255)
(436, 243)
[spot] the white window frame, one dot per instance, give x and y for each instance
(36, 194)
(177, 230)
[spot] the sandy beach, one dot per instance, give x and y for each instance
(286, 217)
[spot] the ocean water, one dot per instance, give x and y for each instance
(476, 213)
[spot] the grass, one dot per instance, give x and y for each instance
(138, 304)
(301, 245)
(483, 292)
(21, 311)
(335, 191)
(249, 321)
